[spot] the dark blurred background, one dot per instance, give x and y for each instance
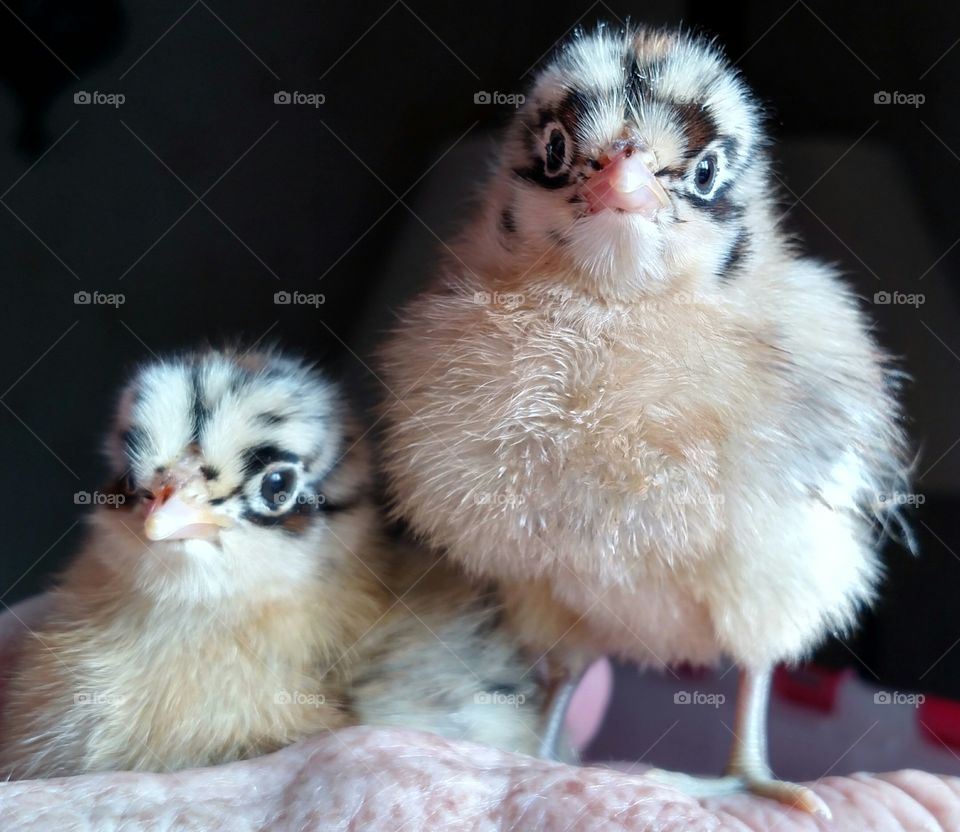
(143, 157)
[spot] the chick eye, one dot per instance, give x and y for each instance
(278, 487)
(555, 149)
(705, 174)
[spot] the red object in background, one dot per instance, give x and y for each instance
(815, 687)
(940, 720)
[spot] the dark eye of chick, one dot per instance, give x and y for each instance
(556, 151)
(705, 174)
(278, 486)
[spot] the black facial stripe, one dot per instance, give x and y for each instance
(719, 206)
(201, 413)
(296, 519)
(739, 250)
(256, 459)
(210, 472)
(635, 86)
(218, 501)
(269, 419)
(698, 126)
(676, 171)
(507, 220)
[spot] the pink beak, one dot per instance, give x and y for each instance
(625, 183)
(172, 518)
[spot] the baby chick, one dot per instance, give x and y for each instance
(229, 584)
(630, 400)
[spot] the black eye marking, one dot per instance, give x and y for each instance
(556, 148)
(507, 221)
(278, 488)
(258, 458)
(556, 152)
(705, 173)
(210, 472)
(310, 503)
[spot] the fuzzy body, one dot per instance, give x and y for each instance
(443, 657)
(116, 682)
(676, 429)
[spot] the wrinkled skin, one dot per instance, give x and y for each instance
(373, 779)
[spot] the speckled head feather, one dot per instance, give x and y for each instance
(672, 99)
(261, 440)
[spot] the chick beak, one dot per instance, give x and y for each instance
(625, 183)
(171, 516)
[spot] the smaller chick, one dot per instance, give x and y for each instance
(231, 585)
(199, 620)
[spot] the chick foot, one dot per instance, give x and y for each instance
(759, 783)
(748, 770)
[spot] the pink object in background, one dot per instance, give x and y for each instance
(589, 703)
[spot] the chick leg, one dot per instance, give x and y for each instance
(560, 691)
(748, 769)
(748, 759)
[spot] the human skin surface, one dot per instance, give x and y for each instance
(390, 779)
